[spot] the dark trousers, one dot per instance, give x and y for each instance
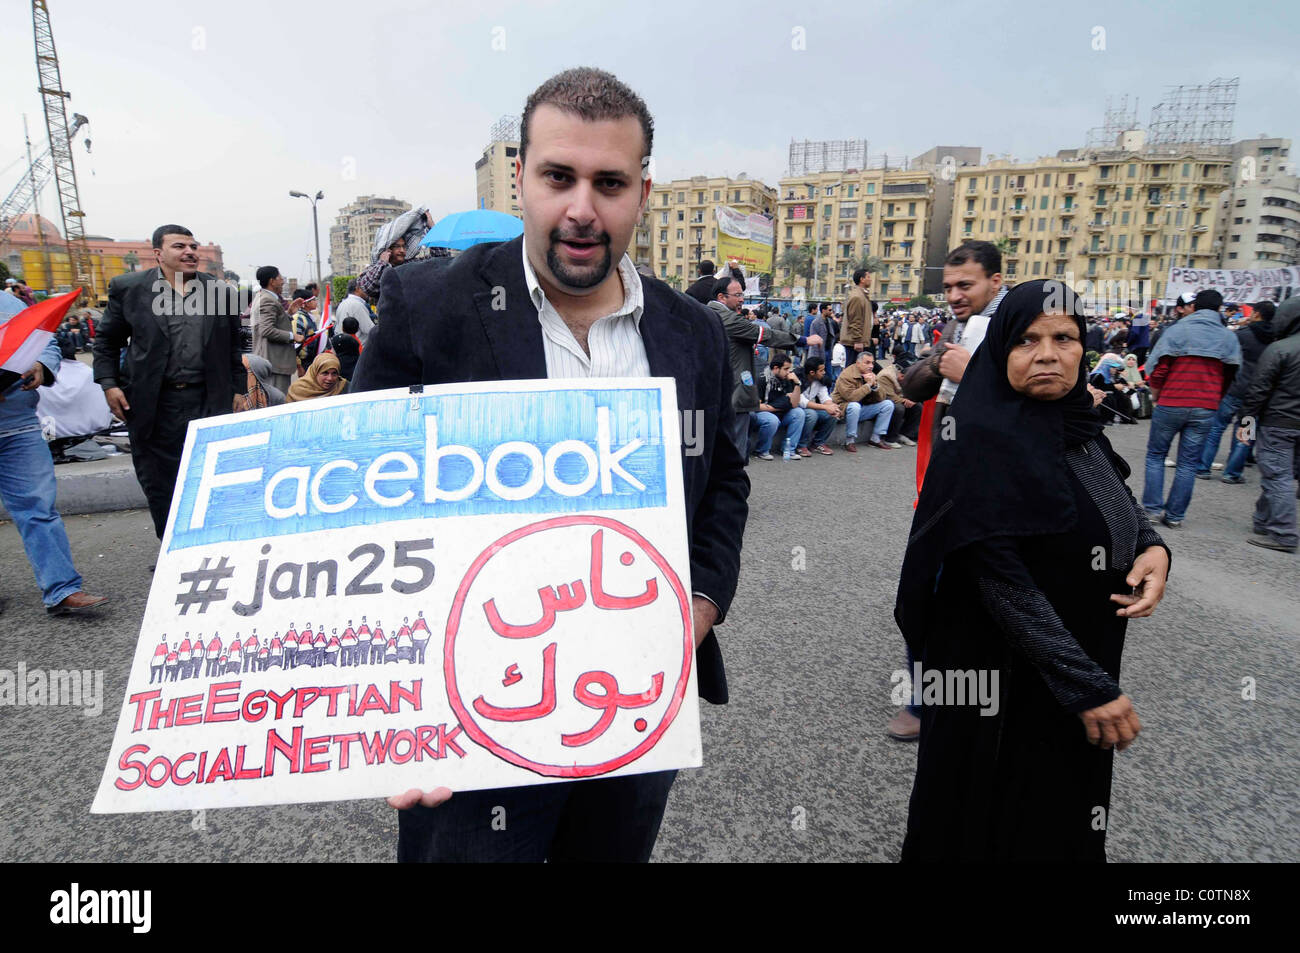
(610, 820)
(157, 457)
(940, 412)
(906, 421)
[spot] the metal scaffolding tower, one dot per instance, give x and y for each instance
(1195, 115)
(1119, 118)
(505, 129)
(827, 155)
(56, 123)
(25, 194)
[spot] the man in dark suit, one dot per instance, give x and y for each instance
(565, 301)
(180, 328)
(702, 288)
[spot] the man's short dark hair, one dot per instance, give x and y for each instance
(351, 325)
(707, 268)
(1265, 310)
(163, 230)
(811, 365)
(722, 284)
(985, 254)
(1207, 299)
(311, 288)
(778, 362)
(874, 307)
(352, 285)
(857, 275)
(267, 274)
(592, 95)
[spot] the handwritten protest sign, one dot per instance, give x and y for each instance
(1238, 285)
(477, 586)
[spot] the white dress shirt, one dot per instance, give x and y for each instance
(615, 340)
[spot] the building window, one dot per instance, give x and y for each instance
(911, 208)
(663, 235)
(1128, 193)
(1037, 266)
(679, 252)
(1123, 217)
(826, 211)
(871, 188)
(681, 196)
(681, 233)
(681, 215)
(789, 233)
(869, 209)
(663, 219)
(1187, 169)
(993, 204)
(1133, 170)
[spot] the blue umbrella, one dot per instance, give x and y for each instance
(463, 229)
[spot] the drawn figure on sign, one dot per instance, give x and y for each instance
(275, 658)
(263, 657)
(332, 648)
(173, 664)
(348, 646)
(363, 642)
(405, 644)
(390, 650)
(420, 636)
(291, 648)
(318, 648)
(196, 657)
(214, 656)
(233, 657)
(305, 649)
(250, 652)
(377, 645)
(520, 656)
(156, 663)
(223, 662)
(183, 658)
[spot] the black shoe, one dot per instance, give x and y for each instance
(1172, 524)
(1270, 544)
(1232, 479)
(1202, 474)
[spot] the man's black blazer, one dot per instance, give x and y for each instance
(130, 317)
(437, 326)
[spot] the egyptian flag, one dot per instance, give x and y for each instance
(327, 319)
(25, 335)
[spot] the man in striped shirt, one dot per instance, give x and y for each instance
(1194, 364)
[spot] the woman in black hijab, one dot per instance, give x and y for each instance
(1028, 555)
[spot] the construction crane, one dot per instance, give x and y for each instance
(53, 96)
(24, 195)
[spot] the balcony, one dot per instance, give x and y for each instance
(1153, 203)
(1096, 252)
(1018, 189)
(1097, 228)
(1202, 204)
(1070, 189)
(1150, 226)
(1018, 211)
(969, 213)
(1200, 228)
(1065, 231)
(1069, 209)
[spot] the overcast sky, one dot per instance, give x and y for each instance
(208, 113)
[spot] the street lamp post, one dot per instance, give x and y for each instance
(314, 226)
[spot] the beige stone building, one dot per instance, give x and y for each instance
(495, 183)
(1259, 217)
(848, 214)
(678, 229)
(353, 233)
(1115, 217)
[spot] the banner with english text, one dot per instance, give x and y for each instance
(473, 585)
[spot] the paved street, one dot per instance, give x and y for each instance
(798, 767)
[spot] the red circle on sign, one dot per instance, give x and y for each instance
(481, 737)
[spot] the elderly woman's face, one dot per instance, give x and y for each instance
(1044, 362)
(328, 377)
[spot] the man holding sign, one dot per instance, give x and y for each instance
(565, 301)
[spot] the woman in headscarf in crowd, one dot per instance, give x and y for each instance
(1028, 555)
(261, 392)
(1108, 377)
(321, 380)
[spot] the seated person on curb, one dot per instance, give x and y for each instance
(860, 397)
(819, 411)
(780, 405)
(905, 423)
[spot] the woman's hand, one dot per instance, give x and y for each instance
(1112, 725)
(1147, 577)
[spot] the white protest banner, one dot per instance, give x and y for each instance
(480, 585)
(1237, 285)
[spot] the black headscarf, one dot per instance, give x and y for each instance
(1003, 473)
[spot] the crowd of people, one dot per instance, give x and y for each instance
(1021, 491)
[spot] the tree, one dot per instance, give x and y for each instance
(920, 301)
(4, 272)
(338, 285)
(871, 263)
(131, 260)
(674, 282)
(1003, 245)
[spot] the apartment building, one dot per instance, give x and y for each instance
(1259, 216)
(846, 215)
(352, 236)
(1125, 214)
(679, 230)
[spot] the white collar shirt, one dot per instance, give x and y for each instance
(617, 349)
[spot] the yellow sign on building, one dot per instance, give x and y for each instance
(746, 239)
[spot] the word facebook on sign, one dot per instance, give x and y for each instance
(479, 586)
